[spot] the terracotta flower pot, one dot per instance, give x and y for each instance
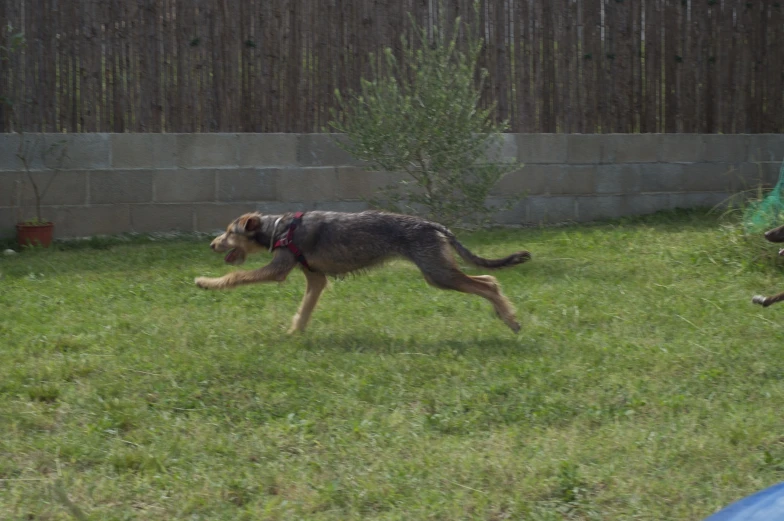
(35, 234)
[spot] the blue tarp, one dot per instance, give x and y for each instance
(766, 505)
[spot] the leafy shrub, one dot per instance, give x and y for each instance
(423, 117)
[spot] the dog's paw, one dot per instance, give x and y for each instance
(521, 257)
(204, 282)
(759, 299)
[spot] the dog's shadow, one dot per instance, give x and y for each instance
(382, 343)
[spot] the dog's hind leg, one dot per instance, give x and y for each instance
(767, 301)
(316, 282)
(443, 274)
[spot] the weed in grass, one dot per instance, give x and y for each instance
(135, 460)
(44, 393)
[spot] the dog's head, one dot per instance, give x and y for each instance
(238, 239)
(776, 235)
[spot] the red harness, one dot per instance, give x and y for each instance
(286, 241)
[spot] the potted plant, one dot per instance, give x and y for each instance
(37, 231)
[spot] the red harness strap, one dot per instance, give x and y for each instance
(286, 241)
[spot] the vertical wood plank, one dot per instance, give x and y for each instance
(559, 49)
(521, 53)
(592, 60)
(775, 97)
(501, 62)
(571, 102)
(5, 76)
(635, 96)
(688, 65)
(745, 97)
(671, 56)
(623, 64)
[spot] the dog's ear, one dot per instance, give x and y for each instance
(248, 223)
(253, 223)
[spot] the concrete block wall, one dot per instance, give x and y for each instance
(586, 177)
(114, 183)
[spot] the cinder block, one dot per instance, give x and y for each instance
(530, 180)
(544, 209)
(706, 177)
(10, 151)
(55, 151)
(341, 206)
(16, 147)
(752, 176)
(207, 150)
(147, 218)
(764, 147)
(573, 180)
(277, 208)
(85, 221)
(184, 186)
(772, 171)
(743, 176)
(631, 148)
(542, 148)
(515, 214)
(593, 208)
(266, 150)
(27, 213)
(215, 217)
(357, 183)
(714, 200)
(120, 186)
(321, 150)
(307, 185)
(56, 187)
(662, 177)
(248, 184)
(8, 147)
(77, 151)
(502, 150)
(618, 179)
(585, 148)
(681, 148)
(642, 204)
(10, 188)
(144, 150)
(726, 148)
(508, 150)
(8, 220)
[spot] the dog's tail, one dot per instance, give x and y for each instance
(510, 260)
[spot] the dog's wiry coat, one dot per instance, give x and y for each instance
(336, 244)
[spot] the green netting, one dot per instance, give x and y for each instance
(768, 212)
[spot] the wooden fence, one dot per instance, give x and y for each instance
(273, 65)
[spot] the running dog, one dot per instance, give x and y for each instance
(774, 235)
(336, 243)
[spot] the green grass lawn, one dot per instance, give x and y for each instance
(644, 384)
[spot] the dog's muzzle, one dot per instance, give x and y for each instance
(233, 255)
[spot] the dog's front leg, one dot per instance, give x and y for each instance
(316, 282)
(767, 301)
(275, 271)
